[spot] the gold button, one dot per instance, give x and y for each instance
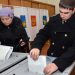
(54, 32)
(63, 47)
(0, 42)
(8, 27)
(52, 53)
(52, 43)
(65, 35)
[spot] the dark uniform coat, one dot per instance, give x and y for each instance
(62, 36)
(12, 34)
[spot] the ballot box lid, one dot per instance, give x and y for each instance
(14, 59)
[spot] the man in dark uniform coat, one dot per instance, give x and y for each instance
(12, 32)
(61, 31)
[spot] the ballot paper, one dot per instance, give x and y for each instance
(5, 52)
(38, 65)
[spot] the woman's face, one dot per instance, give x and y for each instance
(6, 20)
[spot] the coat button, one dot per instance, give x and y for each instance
(54, 32)
(52, 53)
(52, 43)
(65, 35)
(8, 27)
(0, 42)
(4, 40)
(63, 47)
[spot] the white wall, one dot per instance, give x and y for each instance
(53, 2)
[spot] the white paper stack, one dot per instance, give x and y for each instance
(5, 52)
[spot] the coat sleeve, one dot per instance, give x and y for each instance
(42, 37)
(23, 34)
(66, 58)
(21, 29)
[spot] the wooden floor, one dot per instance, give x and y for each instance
(44, 52)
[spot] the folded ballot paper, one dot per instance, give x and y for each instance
(38, 65)
(5, 52)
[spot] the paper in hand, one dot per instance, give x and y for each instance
(38, 65)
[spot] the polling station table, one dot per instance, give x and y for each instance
(17, 64)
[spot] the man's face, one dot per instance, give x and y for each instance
(6, 20)
(65, 14)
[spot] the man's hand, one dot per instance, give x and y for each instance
(34, 53)
(50, 68)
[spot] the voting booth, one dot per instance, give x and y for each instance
(17, 64)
